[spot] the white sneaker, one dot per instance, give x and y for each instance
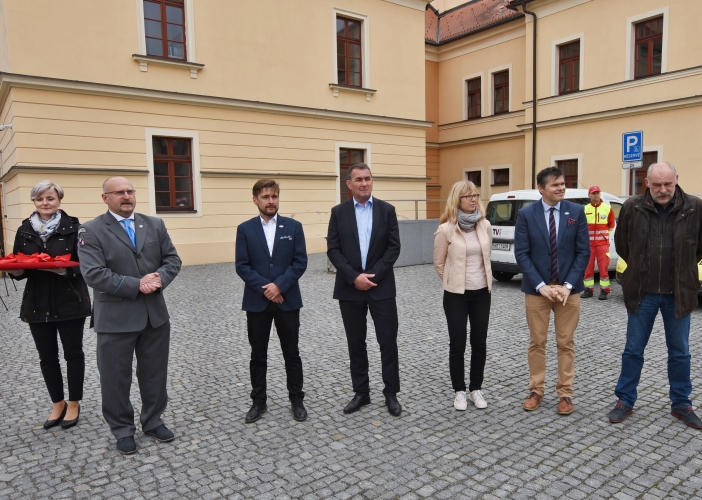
(460, 402)
(477, 398)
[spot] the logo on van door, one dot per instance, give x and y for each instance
(496, 232)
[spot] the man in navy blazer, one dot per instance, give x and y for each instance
(552, 248)
(270, 258)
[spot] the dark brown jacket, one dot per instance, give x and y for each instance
(635, 239)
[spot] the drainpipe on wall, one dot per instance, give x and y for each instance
(513, 6)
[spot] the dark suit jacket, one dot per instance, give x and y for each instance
(532, 248)
(344, 251)
(257, 267)
(113, 268)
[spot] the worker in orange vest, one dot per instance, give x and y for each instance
(600, 223)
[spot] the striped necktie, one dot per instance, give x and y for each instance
(553, 239)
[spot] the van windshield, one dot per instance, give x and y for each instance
(504, 212)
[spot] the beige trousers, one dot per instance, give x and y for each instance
(538, 313)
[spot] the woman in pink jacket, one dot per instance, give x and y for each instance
(462, 247)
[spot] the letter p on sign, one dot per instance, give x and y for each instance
(632, 146)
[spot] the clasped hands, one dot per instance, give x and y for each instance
(555, 293)
(363, 282)
(150, 283)
(273, 293)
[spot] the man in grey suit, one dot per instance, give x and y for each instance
(128, 259)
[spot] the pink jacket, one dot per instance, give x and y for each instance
(450, 254)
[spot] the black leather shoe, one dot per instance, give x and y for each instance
(687, 415)
(66, 424)
(619, 413)
(298, 411)
(255, 413)
(53, 423)
(161, 433)
(393, 405)
(602, 295)
(357, 402)
(587, 293)
(126, 445)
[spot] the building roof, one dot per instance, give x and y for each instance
(464, 20)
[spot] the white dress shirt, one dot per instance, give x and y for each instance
(269, 231)
(364, 224)
(120, 219)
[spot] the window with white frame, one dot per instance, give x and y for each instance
(568, 64)
(647, 44)
(499, 89)
(351, 53)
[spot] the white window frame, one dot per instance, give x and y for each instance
(491, 87)
(365, 44)
(464, 98)
(491, 180)
(626, 173)
(481, 188)
(367, 159)
(555, 61)
(631, 22)
(189, 32)
(194, 137)
(574, 156)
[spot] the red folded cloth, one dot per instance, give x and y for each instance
(36, 261)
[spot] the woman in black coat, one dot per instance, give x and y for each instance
(54, 300)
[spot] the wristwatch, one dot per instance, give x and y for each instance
(568, 286)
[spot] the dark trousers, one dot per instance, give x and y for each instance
(71, 333)
(473, 306)
(115, 352)
(287, 324)
(384, 314)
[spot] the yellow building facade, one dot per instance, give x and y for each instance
(194, 101)
(603, 68)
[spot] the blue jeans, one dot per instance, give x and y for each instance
(638, 331)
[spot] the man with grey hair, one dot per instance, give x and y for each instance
(659, 235)
(128, 259)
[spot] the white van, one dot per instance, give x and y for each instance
(502, 213)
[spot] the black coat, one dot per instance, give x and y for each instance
(48, 296)
(344, 251)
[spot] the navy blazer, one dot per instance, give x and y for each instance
(258, 268)
(344, 251)
(532, 247)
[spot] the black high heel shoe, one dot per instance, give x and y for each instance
(53, 423)
(65, 424)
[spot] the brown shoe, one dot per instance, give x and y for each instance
(532, 401)
(565, 406)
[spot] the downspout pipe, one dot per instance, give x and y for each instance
(514, 5)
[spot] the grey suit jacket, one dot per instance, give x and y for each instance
(113, 267)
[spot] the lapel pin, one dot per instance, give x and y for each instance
(141, 225)
(567, 213)
(281, 226)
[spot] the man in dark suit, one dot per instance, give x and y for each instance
(270, 258)
(552, 248)
(128, 259)
(363, 243)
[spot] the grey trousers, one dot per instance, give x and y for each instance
(115, 352)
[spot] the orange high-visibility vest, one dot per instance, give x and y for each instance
(600, 222)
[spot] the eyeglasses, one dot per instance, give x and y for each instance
(129, 192)
(470, 196)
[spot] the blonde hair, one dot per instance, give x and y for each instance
(459, 189)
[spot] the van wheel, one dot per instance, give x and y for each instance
(503, 276)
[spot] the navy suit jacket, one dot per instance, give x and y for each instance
(258, 268)
(532, 248)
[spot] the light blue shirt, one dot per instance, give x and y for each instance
(557, 218)
(364, 223)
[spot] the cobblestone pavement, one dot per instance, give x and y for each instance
(431, 451)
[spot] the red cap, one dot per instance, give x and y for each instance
(594, 189)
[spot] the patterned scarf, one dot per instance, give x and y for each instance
(467, 221)
(45, 228)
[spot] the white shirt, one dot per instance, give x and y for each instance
(269, 231)
(364, 224)
(120, 219)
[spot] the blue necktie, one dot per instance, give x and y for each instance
(130, 231)
(554, 245)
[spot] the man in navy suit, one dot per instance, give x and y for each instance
(552, 248)
(270, 258)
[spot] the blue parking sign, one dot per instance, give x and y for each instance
(632, 146)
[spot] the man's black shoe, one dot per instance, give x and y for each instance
(161, 433)
(255, 413)
(126, 445)
(619, 413)
(587, 293)
(393, 405)
(357, 402)
(688, 416)
(602, 295)
(298, 411)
